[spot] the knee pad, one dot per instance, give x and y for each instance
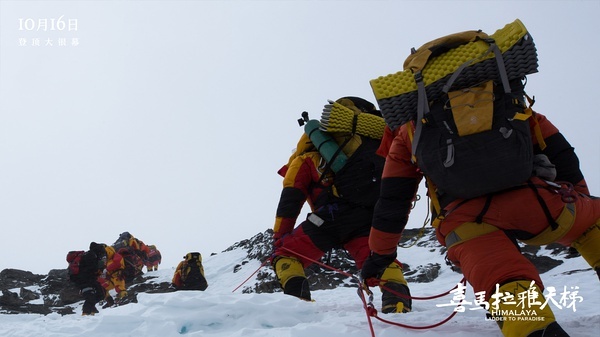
(588, 245)
(287, 268)
(517, 319)
(393, 273)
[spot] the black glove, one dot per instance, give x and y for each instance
(375, 264)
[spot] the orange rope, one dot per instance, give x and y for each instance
(256, 271)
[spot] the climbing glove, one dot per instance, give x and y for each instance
(375, 264)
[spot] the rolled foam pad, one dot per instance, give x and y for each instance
(396, 94)
(341, 119)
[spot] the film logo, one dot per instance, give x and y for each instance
(524, 303)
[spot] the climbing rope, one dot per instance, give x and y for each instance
(372, 312)
(367, 300)
(249, 277)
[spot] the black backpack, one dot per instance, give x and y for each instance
(357, 176)
(472, 136)
(192, 274)
(475, 164)
(84, 266)
(462, 95)
(359, 180)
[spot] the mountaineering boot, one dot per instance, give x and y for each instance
(552, 330)
(392, 302)
(122, 298)
(109, 302)
(298, 286)
(90, 299)
(517, 317)
(395, 295)
(88, 309)
(587, 245)
(290, 273)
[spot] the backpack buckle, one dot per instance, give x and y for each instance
(418, 77)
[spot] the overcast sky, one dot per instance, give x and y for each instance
(169, 119)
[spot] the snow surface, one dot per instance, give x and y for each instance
(219, 311)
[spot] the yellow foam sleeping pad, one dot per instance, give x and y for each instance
(447, 63)
(396, 93)
(342, 119)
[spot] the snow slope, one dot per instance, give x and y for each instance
(221, 312)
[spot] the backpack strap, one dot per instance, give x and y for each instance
(544, 206)
(340, 149)
(417, 65)
(499, 61)
(486, 207)
(419, 58)
(422, 109)
(536, 127)
(411, 135)
(327, 168)
(435, 203)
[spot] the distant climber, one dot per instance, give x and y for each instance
(189, 274)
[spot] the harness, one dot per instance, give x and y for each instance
(557, 227)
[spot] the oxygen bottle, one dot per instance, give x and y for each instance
(325, 144)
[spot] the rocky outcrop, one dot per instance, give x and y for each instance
(259, 248)
(25, 292)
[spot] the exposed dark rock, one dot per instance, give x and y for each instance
(543, 263)
(57, 293)
(423, 274)
(10, 299)
(566, 252)
(14, 278)
(28, 295)
(24, 292)
(57, 290)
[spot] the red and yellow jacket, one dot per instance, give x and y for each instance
(114, 260)
(302, 182)
(401, 178)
